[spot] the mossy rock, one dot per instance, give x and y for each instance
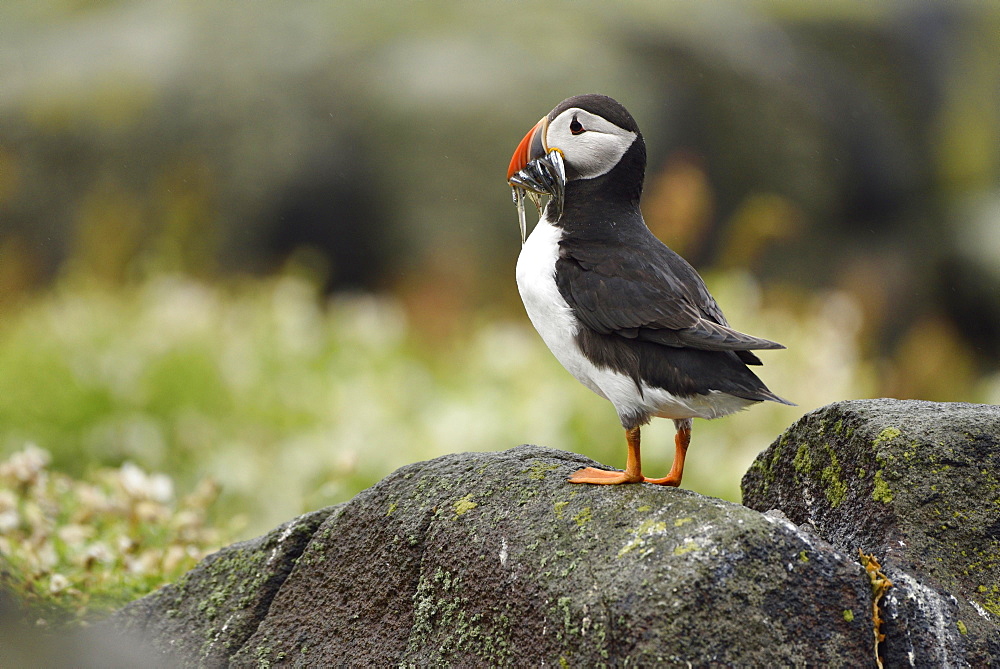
(917, 484)
(484, 559)
(206, 616)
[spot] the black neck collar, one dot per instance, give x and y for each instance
(614, 195)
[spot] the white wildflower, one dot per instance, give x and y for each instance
(150, 512)
(45, 556)
(147, 562)
(9, 521)
(74, 535)
(58, 583)
(98, 552)
(140, 485)
(126, 544)
(173, 558)
(25, 466)
(9, 517)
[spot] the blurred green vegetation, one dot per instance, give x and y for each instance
(73, 549)
(291, 401)
(268, 246)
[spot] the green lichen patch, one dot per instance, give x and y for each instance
(464, 505)
(991, 600)
(584, 516)
(823, 464)
(803, 459)
(848, 615)
(563, 610)
(885, 436)
(766, 464)
(881, 492)
(681, 521)
(558, 508)
(689, 546)
(832, 478)
(538, 470)
(648, 528)
(444, 619)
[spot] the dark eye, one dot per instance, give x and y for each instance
(576, 128)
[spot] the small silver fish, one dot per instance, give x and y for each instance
(545, 176)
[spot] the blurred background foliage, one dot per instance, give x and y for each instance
(270, 243)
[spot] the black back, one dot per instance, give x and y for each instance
(645, 311)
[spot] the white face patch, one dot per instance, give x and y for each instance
(590, 144)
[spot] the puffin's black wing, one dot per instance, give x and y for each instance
(646, 291)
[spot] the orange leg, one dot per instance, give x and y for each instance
(633, 466)
(681, 441)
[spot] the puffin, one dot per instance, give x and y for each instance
(623, 313)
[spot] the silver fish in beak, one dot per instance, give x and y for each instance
(536, 171)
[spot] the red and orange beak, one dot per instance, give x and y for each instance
(531, 148)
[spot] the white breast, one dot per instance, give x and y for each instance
(554, 321)
(548, 311)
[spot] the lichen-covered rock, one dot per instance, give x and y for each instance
(917, 484)
(493, 558)
(206, 616)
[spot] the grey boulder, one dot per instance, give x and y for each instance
(494, 559)
(917, 484)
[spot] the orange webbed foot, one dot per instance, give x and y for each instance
(603, 477)
(674, 481)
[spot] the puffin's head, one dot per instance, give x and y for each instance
(594, 135)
